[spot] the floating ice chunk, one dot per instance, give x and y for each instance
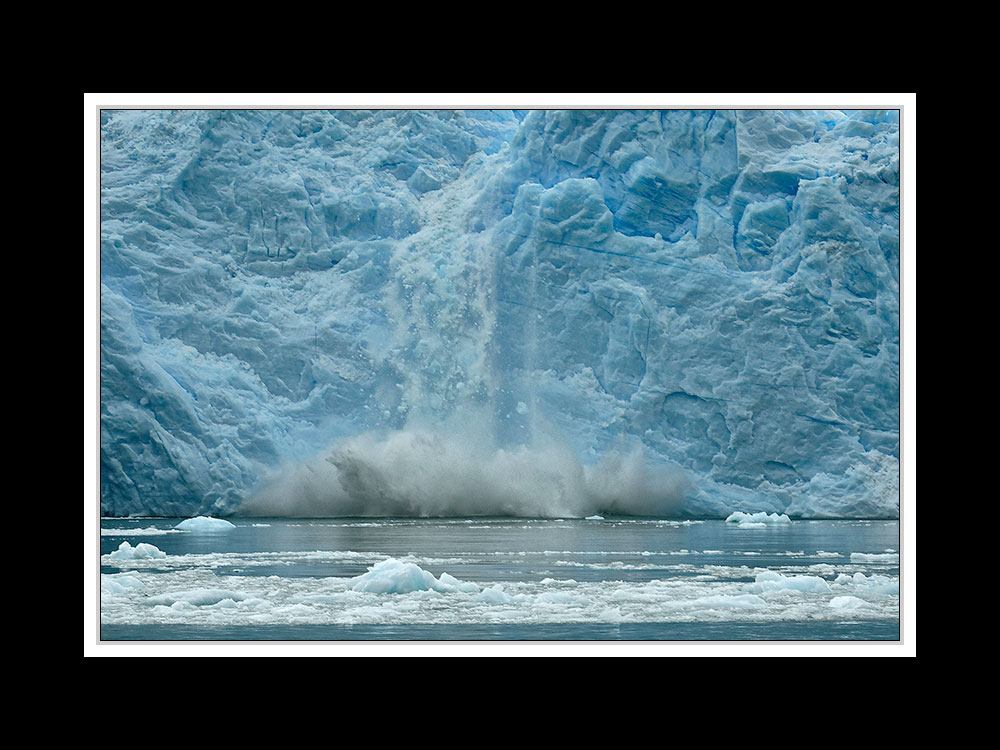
(737, 601)
(392, 576)
(880, 585)
(562, 599)
(595, 518)
(768, 580)
(848, 602)
(141, 551)
(494, 595)
(149, 531)
(448, 583)
(881, 557)
(756, 520)
(200, 598)
(205, 523)
(119, 584)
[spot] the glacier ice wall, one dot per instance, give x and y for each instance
(541, 312)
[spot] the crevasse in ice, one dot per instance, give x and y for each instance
(552, 313)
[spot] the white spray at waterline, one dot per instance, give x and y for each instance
(433, 472)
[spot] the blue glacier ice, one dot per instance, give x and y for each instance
(549, 313)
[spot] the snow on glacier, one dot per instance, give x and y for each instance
(543, 313)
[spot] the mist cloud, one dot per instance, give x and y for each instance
(433, 472)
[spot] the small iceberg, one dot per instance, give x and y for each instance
(141, 551)
(121, 584)
(757, 520)
(848, 602)
(768, 580)
(494, 595)
(395, 577)
(205, 523)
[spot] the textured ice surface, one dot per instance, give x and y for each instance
(395, 577)
(654, 312)
(141, 551)
(770, 581)
(204, 524)
(756, 520)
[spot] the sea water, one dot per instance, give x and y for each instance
(500, 579)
